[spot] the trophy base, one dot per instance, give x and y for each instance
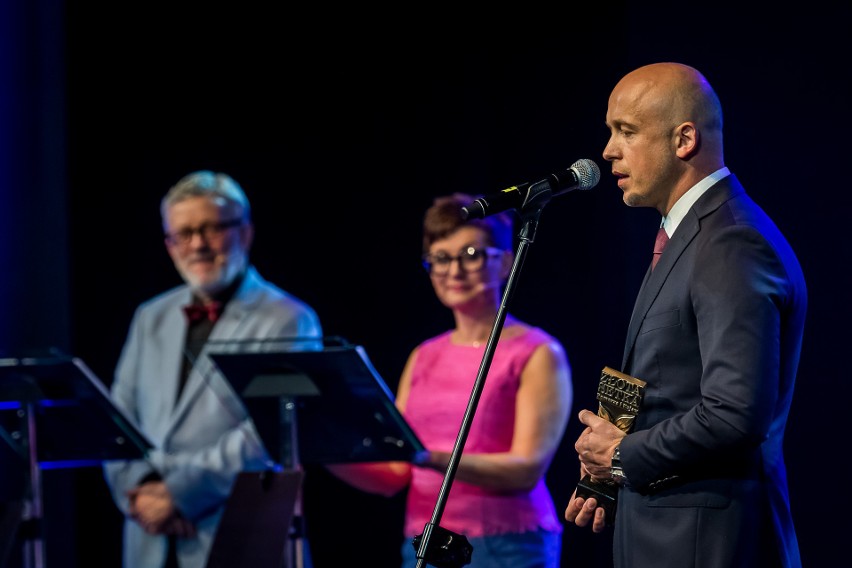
(604, 492)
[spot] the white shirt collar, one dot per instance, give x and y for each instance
(688, 199)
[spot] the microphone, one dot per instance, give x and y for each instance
(583, 174)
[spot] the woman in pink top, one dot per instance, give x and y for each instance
(498, 499)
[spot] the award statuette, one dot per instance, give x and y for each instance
(619, 399)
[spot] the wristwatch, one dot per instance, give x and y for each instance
(615, 469)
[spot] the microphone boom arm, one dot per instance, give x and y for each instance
(583, 174)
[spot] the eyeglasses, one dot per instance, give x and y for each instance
(208, 231)
(471, 259)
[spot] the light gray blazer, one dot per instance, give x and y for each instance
(202, 441)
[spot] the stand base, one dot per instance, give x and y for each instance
(444, 549)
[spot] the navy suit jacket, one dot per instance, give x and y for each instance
(716, 333)
(205, 438)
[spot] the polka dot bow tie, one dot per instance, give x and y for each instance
(199, 312)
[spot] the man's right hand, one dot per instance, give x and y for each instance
(582, 511)
(152, 506)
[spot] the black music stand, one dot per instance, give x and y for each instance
(55, 413)
(321, 406)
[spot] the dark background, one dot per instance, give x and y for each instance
(342, 125)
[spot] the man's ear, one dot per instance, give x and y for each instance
(687, 138)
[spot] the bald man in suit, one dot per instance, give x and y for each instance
(716, 333)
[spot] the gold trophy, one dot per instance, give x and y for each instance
(619, 399)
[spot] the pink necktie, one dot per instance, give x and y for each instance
(659, 245)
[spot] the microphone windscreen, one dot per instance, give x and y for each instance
(588, 173)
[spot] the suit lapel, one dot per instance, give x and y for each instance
(655, 279)
(171, 345)
(230, 327)
(686, 232)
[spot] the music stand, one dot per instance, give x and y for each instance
(321, 406)
(55, 413)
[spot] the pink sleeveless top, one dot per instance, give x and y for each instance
(441, 384)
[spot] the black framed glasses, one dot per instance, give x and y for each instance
(208, 231)
(470, 259)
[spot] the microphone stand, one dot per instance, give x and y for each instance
(453, 550)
